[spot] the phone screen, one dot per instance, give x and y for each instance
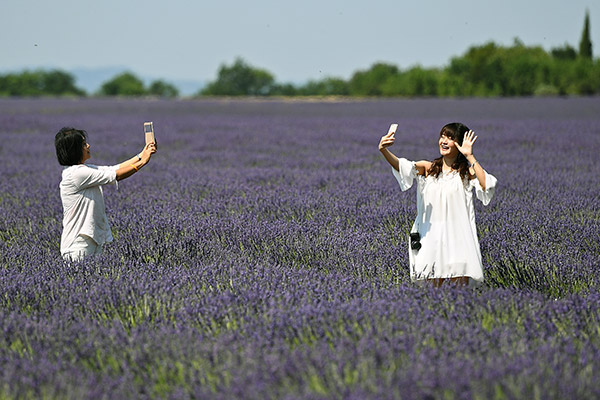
(148, 127)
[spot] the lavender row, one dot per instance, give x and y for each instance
(262, 254)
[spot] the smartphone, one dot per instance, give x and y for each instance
(393, 128)
(149, 132)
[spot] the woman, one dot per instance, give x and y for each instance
(85, 225)
(443, 239)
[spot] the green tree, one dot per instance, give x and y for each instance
(585, 45)
(240, 79)
(325, 87)
(525, 68)
(125, 84)
(283, 89)
(566, 52)
(371, 81)
(26, 83)
(416, 81)
(492, 70)
(60, 83)
(585, 77)
(451, 85)
(39, 83)
(162, 89)
(481, 69)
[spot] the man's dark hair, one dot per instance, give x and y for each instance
(69, 144)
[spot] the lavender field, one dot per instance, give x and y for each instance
(262, 254)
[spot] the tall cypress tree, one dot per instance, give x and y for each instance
(585, 45)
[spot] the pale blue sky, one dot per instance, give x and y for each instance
(294, 40)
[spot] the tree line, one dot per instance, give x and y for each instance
(60, 83)
(483, 70)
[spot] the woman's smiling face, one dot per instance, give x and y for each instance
(448, 147)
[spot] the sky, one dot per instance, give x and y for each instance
(296, 40)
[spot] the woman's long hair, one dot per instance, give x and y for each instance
(455, 131)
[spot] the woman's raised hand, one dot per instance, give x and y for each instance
(467, 145)
(149, 149)
(386, 140)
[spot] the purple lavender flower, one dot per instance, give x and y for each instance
(265, 255)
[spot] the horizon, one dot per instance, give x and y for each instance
(334, 39)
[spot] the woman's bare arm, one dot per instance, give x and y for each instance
(467, 150)
(131, 166)
(385, 142)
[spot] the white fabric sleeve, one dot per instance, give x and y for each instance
(90, 175)
(114, 168)
(406, 174)
(485, 196)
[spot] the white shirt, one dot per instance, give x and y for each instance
(83, 203)
(446, 223)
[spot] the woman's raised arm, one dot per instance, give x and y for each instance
(385, 142)
(467, 150)
(131, 166)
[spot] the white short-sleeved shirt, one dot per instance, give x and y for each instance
(446, 222)
(83, 203)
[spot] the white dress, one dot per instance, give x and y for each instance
(446, 222)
